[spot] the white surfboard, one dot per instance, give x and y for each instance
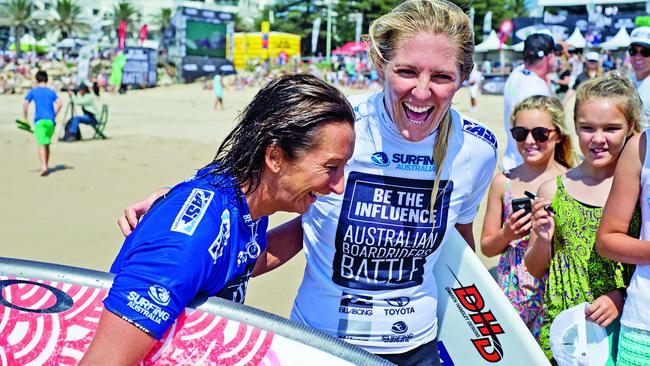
(49, 313)
(477, 323)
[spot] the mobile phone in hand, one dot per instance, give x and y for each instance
(519, 203)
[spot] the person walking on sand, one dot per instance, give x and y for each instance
(217, 87)
(47, 106)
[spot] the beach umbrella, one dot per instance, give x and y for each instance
(28, 39)
(69, 43)
(350, 48)
(29, 43)
(43, 45)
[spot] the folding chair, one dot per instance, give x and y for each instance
(67, 115)
(101, 123)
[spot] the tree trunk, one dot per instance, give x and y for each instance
(18, 34)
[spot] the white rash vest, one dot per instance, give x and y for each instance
(370, 252)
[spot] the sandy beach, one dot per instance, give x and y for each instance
(157, 137)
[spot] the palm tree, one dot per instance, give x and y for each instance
(125, 11)
(17, 14)
(68, 12)
(162, 20)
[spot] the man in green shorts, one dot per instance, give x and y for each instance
(47, 105)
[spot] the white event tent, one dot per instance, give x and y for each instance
(620, 40)
(576, 39)
(491, 43)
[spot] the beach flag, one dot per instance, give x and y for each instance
(505, 30)
(266, 28)
(121, 34)
(143, 34)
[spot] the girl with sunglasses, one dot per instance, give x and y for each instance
(538, 128)
(607, 113)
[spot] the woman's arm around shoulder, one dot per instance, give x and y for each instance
(283, 243)
(612, 240)
(538, 254)
(132, 214)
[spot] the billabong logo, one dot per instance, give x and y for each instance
(192, 212)
(159, 294)
(399, 327)
(398, 301)
(380, 159)
(359, 301)
(355, 304)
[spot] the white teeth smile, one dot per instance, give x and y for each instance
(417, 109)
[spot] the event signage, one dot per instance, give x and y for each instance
(202, 39)
(140, 66)
(596, 29)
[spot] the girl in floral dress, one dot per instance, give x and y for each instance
(538, 128)
(607, 113)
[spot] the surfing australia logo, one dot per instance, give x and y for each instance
(399, 329)
(147, 308)
(421, 163)
(380, 159)
(159, 294)
(484, 325)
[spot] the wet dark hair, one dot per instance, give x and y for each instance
(288, 112)
(41, 76)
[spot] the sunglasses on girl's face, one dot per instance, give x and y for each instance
(540, 134)
(633, 51)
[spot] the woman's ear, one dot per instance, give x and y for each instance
(274, 158)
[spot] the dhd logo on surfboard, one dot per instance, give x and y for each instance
(484, 325)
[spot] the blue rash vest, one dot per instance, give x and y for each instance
(198, 240)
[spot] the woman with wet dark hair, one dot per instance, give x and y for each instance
(204, 236)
